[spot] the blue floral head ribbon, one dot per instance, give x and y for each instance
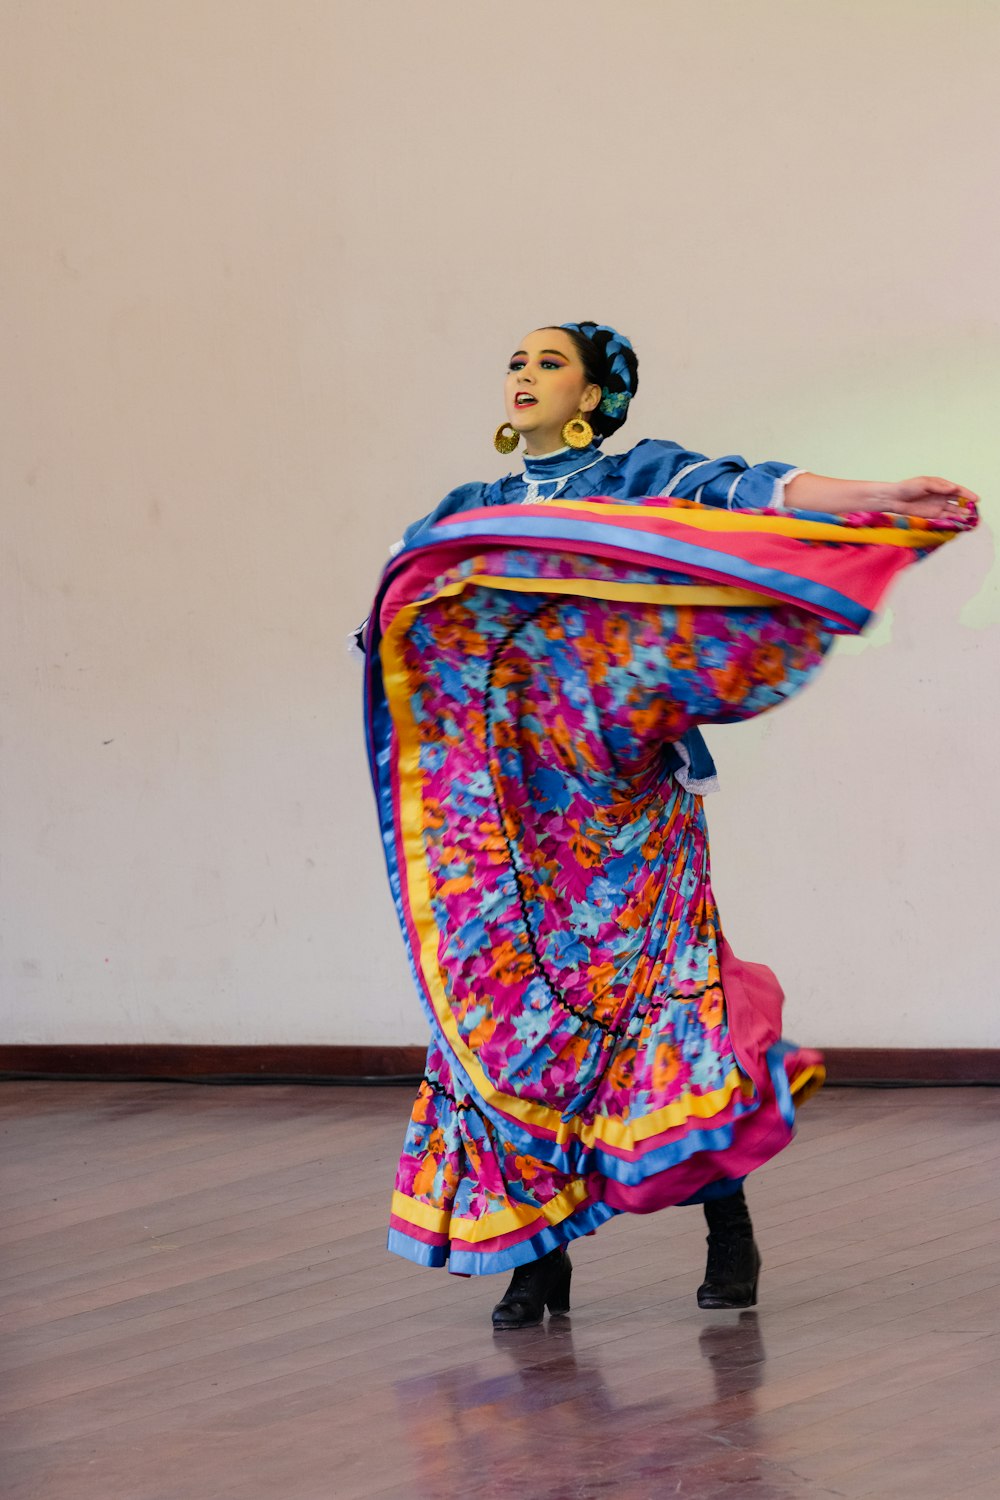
(619, 370)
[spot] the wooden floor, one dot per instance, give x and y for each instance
(197, 1305)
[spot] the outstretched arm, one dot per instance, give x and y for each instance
(924, 496)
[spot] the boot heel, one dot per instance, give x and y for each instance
(732, 1275)
(557, 1300)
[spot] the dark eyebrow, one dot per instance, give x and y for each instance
(557, 352)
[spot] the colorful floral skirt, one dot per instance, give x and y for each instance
(596, 1047)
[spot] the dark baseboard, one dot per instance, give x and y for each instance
(913, 1065)
(320, 1064)
(197, 1064)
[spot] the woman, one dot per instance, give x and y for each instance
(533, 713)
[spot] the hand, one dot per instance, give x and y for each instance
(924, 496)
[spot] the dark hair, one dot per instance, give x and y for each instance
(610, 362)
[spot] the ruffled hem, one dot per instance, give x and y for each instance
(708, 1162)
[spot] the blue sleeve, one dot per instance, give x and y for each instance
(662, 468)
(466, 497)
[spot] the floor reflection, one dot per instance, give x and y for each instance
(538, 1417)
(736, 1355)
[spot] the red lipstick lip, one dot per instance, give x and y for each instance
(528, 400)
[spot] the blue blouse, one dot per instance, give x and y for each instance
(652, 467)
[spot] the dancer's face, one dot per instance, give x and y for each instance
(545, 388)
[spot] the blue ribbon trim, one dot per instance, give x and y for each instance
(416, 1250)
(657, 550)
(779, 1079)
(472, 1263)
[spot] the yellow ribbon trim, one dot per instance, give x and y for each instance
(504, 1221)
(711, 518)
(612, 1132)
(637, 593)
(808, 1082)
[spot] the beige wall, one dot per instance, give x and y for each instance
(263, 263)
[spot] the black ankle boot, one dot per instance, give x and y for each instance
(733, 1268)
(543, 1283)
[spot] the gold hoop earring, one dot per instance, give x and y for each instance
(578, 432)
(504, 441)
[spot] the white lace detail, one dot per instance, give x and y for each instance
(682, 473)
(778, 493)
(702, 786)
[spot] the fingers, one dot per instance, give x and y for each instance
(932, 489)
(929, 508)
(929, 497)
(936, 486)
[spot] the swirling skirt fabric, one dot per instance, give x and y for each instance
(596, 1047)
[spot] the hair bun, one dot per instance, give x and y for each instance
(613, 365)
